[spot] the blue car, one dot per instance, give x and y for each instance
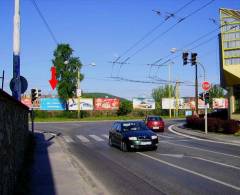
(129, 135)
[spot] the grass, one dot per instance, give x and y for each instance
(101, 118)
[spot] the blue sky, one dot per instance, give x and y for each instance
(101, 30)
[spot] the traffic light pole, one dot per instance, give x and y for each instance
(196, 88)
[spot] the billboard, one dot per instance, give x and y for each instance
(220, 103)
(27, 101)
(52, 104)
(84, 104)
(106, 103)
(144, 103)
(183, 103)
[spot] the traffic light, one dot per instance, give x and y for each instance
(34, 94)
(185, 58)
(206, 97)
(194, 58)
(201, 96)
(39, 92)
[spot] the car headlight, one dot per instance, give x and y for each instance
(132, 138)
(154, 137)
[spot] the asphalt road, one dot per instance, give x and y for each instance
(179, 166)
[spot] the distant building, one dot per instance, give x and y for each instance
(229, 41)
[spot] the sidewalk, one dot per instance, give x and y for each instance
(56, 172)
(230, 139)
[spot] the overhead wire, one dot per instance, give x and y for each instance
(44, 21)
(151, 31)
(169, 29)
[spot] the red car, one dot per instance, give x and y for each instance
(155, 123)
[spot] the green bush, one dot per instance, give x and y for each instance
(124, 108)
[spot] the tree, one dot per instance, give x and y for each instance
(161, 92)
(67, 68)
(216, 92)
(124, 108)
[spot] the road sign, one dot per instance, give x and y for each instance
(24, 84)
(206, 85)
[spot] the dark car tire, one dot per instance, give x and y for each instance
(124, 146)
(110, 141)
(154, 148)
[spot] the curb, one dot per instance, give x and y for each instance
(177, 130)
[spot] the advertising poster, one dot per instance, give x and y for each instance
(106, 103)
(52, 104)
(220, 103)
(84, 104)
(144, 103)
(170, 103)
(27, 101)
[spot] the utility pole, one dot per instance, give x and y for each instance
(2, 77)
(16, 52)
(78, 93)
(169, 89)
(177, 97)
(196, 88)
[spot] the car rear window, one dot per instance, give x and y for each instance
(154, 118)
(133, 126)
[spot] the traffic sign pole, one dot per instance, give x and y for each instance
(205, 86)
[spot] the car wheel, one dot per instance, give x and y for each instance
(110, 141)
(155, 148)
(123, 146)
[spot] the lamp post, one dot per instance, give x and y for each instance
(79, 94)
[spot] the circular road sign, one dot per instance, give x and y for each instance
(24, 84)
(206, 85)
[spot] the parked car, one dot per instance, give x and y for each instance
(155, 123)
(132, 135)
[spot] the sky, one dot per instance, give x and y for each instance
(100, 31)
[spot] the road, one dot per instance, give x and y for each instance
(179, 166)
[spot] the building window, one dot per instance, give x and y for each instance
(231, 36)
(232, 61)
(232, 44)
(232, 53)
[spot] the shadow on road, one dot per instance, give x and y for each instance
(42, 181)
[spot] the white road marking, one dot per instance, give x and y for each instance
(83, 139)
(68, 139)
(231, 155)
(105, 135)
(190, 171)
(196, 138)
(164, 136)
(99, 139)
(173, 155)
(218, 163)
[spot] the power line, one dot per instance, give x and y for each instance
(152, 30)
(44, 21)
(170, 28)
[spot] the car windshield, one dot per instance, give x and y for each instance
(154, 118)
(133, 126)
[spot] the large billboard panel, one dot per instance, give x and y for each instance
(106, 103)
(183, 103)
(144, 103)
(84, 104)
(52, 104)
(27, 101)
(220, 103)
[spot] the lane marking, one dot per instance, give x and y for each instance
(95, 137)
(190, 171)
(68, 139)
(164, 136)
(200, 139)
(105, 136)
(231, 155)
(214, 162)
(173, 155)
(83, 138)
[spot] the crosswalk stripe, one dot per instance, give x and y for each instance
(165, 136)
(96, 138)
(68, 139)
(82, 138)
(105, 135)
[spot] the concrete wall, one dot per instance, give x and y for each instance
(13, 138)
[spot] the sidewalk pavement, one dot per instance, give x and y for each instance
(56, 172)
(230, 139)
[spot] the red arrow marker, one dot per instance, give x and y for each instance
(53, 82)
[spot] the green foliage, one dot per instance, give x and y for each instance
(162, 92)
(67, 68)
(101, 95)
(215, 92)
(124, 108)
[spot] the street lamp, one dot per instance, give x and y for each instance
(78, 92)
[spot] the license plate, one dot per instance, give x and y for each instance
(155, 127)
(145, 143)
